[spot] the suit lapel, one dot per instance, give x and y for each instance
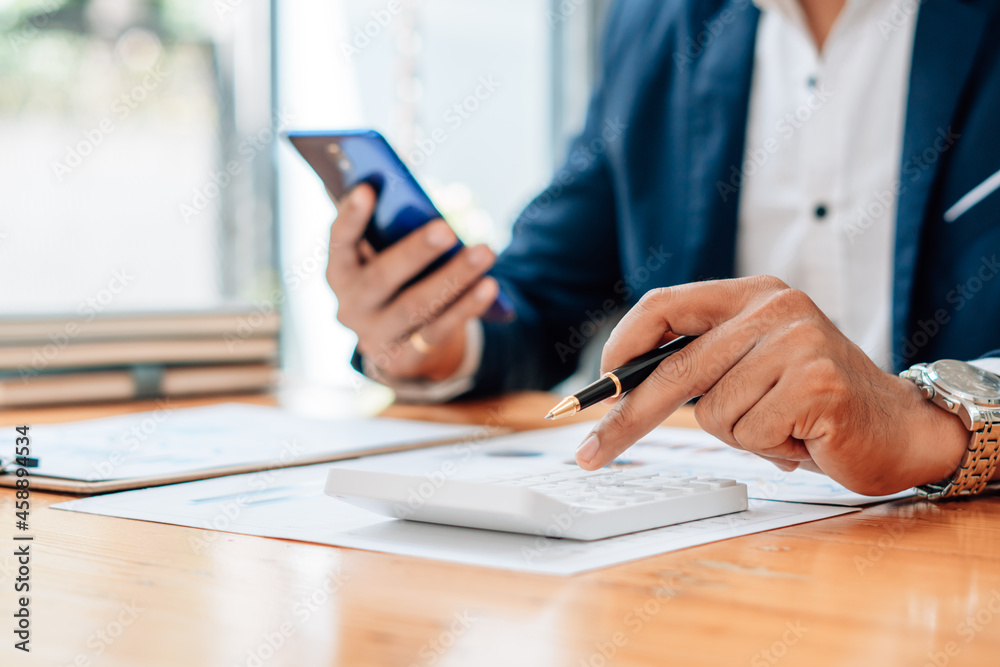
(944, 50)
(717, 107)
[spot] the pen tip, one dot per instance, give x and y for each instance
(567, 406)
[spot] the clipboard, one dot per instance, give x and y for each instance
(171, 446)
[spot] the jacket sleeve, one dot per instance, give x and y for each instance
(561, 269)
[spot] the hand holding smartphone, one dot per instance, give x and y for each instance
(345, 159)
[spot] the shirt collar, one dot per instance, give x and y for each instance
(790, 11)
(853, 12)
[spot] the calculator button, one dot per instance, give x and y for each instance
(716, 483)
(698, 486)
(674, 478)
(582, 474)
(677, 489)
(663, 494)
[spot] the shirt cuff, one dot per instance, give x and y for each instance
(991, 364)
(437, 391)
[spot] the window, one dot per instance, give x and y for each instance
(136, 168)
(478, 97)
(143, 169)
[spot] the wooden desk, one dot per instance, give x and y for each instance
(898, 584)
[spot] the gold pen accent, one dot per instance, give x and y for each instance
(571, 404)
(621, 380)
(618, 383)
(568, 406)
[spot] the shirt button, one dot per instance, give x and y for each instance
(811, 81)
(820, 211)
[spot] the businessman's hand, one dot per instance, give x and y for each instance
(369, 302)
(777, 379)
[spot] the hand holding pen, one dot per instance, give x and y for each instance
(619, 381)
(777, 379)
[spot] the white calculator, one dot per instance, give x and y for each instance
(564, 502)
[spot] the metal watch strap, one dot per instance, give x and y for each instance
(976, 471)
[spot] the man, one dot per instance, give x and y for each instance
(837, 145)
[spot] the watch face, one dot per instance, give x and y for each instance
(958, 377)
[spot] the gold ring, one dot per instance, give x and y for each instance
(419, 344)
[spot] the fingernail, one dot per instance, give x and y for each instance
(588, 449)
(484, 291)
(439, 236)
(479, 257)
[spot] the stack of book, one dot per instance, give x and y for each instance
(48, 360)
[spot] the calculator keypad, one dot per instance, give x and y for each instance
(608, 489)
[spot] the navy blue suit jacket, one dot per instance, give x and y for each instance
(648, 195)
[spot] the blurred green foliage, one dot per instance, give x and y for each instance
(70, 58)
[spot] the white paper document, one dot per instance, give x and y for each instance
(180, 441)
(290, 504)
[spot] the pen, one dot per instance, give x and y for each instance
(619, 381)
(12, 463)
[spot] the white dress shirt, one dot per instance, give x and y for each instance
(820, 173)
(821, 169)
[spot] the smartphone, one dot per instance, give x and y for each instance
(344, 159)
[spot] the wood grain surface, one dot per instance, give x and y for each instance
(904, 583)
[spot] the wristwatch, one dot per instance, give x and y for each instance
(973, 394)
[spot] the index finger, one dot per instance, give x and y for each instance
(688, 310)
(679, 378)
(697, 309)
